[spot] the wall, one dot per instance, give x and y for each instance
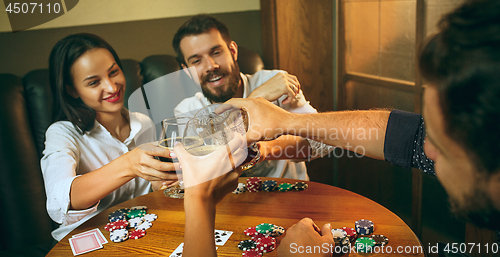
(24, 51)
(91, 12)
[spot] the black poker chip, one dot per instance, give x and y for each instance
(247, 245)
(380, 240)
(117, 215)
(299, 186)
(270, 185)
(124, 210)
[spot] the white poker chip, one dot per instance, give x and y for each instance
(118, 239)
(119, 233)
(139, 208)
(338, 235)
(150, 217)
(132, 223)
(240, 189)
(145, 225)
(278, 231)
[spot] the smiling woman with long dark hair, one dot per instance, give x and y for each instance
(90, 161)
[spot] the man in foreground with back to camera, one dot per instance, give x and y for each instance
(204, 43)
(462, 122)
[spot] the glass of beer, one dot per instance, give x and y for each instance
(172, 131)
(215, 131)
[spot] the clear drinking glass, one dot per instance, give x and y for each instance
(172, 130)
(208, 131)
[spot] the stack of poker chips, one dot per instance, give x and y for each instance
(364, 227)
(366, 241)
(135, 218)
(263, 239)
(240, 189)
(254, 184)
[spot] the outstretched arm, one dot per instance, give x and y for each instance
(362, 132)
(359, 131)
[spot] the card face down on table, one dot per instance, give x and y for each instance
(100, 236)
(85, 243)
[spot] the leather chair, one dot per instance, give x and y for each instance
(27, 111)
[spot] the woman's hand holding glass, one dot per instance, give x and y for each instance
(172, 131)
(142, 162)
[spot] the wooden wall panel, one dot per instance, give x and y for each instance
(305, 40)
(298, 37)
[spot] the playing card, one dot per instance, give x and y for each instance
(221, 236)
(100, 236)
(178, 251)
(85, 243)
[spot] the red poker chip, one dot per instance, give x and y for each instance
(251, 231)
(251, 253)
(110, 227)
(254, 183)
(351, 233)
(120, 224)
(256, 237)
(254, 186)
(136, 234)
(267, 249)
(266, 242)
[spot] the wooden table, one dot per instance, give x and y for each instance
(322, 203)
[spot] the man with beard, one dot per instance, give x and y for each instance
(460, 141)
(204, 43)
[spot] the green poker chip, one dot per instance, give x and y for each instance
(364, 245)
(284, 187)
(265, 228)
(135, 213)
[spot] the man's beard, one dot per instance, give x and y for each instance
(220, 94)
(477, 208)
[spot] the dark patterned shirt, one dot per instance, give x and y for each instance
(404, 142)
